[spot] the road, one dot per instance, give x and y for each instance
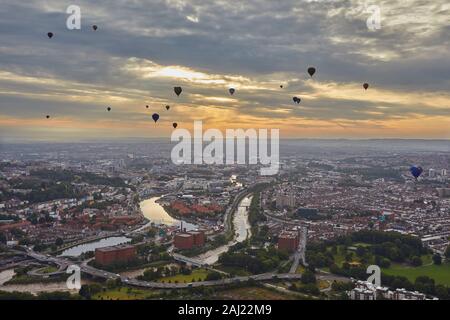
(300, 253)
(284, 221)
(85, 268)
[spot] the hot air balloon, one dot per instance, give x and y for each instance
(232, 91)
(416, 171)
(175, 125)
(296, 100)
(178, 90)
(281, 86)
(311, 71)
(146, 106)
(48, 117)
(94, 27)
(167, 107)
(155, 117)
(50, 35)
(109, 109)
(365, 86)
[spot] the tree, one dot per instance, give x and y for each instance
(2, 238)
(447, 252)
(95, 288)
(437, 259)
(360, 251)
(425, 285)
(111, 283)
(308, 277)
(85, 292)
(416, 261)
(442, 292)
(211, 276)
(349, 256)
(59, 242)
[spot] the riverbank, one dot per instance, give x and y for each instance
(76, 251)
(243, 232)
(155, 213)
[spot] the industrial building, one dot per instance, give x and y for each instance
(116, 254)
(285, 201)
(188, 240)
(288, 240)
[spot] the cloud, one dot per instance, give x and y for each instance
(144, 48)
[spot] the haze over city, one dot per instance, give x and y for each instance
(142, 49)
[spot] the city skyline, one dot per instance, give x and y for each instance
(142, 50)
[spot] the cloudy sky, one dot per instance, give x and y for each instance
(143, 48)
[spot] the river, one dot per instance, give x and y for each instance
(156, 214)
(91, 246)
(242, 231)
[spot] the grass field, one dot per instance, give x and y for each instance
(196, 275)
(124, 294)
(440, 274)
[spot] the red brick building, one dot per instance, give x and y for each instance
(188, 240)
(15, 225)
(110, 255)
(183, 241)
(199, 238)
(288, 240)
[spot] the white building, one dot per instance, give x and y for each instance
(365, 290)
(283, 200)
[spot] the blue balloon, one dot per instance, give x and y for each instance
(416, 171)
(155, 117)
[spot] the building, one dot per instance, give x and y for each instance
(116, 254)
(387, 216)
(443, 192)
(190, 239)
(199, 238)
(183, 241)
(362, 294)
(288, 240)
(15, 225)
(365, 290)
(432, 173)
(283, 200)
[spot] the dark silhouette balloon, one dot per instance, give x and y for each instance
(232, 91)
(109, 109)
(50, 35)
(175, 125)
(146, 107)
(365, 86)
(155, 117)
(281, 86)
(416, 171)
(311, 71)
(167, 107)
(296, 100)
(178, 90)
(48, 117)
(94, 27)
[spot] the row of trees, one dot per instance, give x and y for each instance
(254, 261)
